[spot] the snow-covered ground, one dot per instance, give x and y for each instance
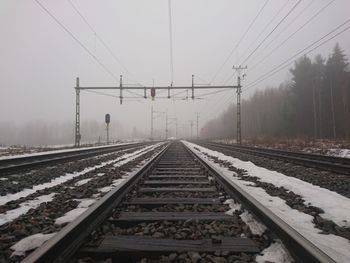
(25, 206)
(62, 150)
(344, 153)
(336, 149)
(34, 241)
(336, 207)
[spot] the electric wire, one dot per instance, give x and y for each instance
(171, 44)
(80, 43)
(214, 92)
(271, 32)
(240, 40)
(291, 35)
(283, 30)
(291, 59)
(266, 27)
(220, 106)
(102, 41)
(76, 39)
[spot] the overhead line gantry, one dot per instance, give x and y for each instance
(145, 89)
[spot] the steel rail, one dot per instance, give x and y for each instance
(329, 163)
(17, 164)
(301, 249)
(66, 242)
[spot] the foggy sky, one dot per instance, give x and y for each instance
(39, 61)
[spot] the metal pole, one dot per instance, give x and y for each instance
(197, 125)
(107, 133)
(121, 89)
(239, 91)
(191, 128)
(333, 114)
(152, 123)
(192, 87)
(320, 112)
(176, 129)
(314, 102)
(166, 126)
(77, 114)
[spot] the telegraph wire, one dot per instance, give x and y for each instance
(273, 30)
(287, 26)
(76, 39)
(80, 43)
(101, 40)
(240, 40)
(262, 31)
(290, 36)
(288, 61)
(267, 25)
(214, 92)
(171, 44)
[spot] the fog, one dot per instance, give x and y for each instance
(39, 60)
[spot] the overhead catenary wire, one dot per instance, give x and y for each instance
(171, 44)
(291, 35)
(76, 39)
(79, 42)
(219, 107)
(303, 52)
(96, 35)
(270, 33)
(239, 41)
(266, 26)
(283, 30)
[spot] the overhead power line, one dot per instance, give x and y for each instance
(291, 35)
(239, 41)
(102, 41)
(81, 44)
(77, 40)
(266, 27)
(303, 52)
(171, 45)
(269, 34)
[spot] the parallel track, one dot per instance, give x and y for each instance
(322, 162)
(17, 164)
(176, 176)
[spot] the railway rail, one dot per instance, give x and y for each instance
(115, 226)
(16, 164)
(323, 162)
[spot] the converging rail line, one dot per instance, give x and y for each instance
(318, 161)
(175, 192)
(16, 164)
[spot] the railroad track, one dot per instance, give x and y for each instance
(157, 211)
(323, 162)
(16, 164)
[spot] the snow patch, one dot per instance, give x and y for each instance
(276, 253)
(313, 194)
(336, 247)
(30, 243)
(59, 180)
(256, 227)
(82, 182)
(343, 153)
(233, 206)
(73, 214)
(24, 208)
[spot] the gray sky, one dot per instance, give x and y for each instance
(39, 61)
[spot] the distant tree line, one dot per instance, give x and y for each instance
(314, 104)
(40, 132)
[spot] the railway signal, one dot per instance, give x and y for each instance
(107, 120)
